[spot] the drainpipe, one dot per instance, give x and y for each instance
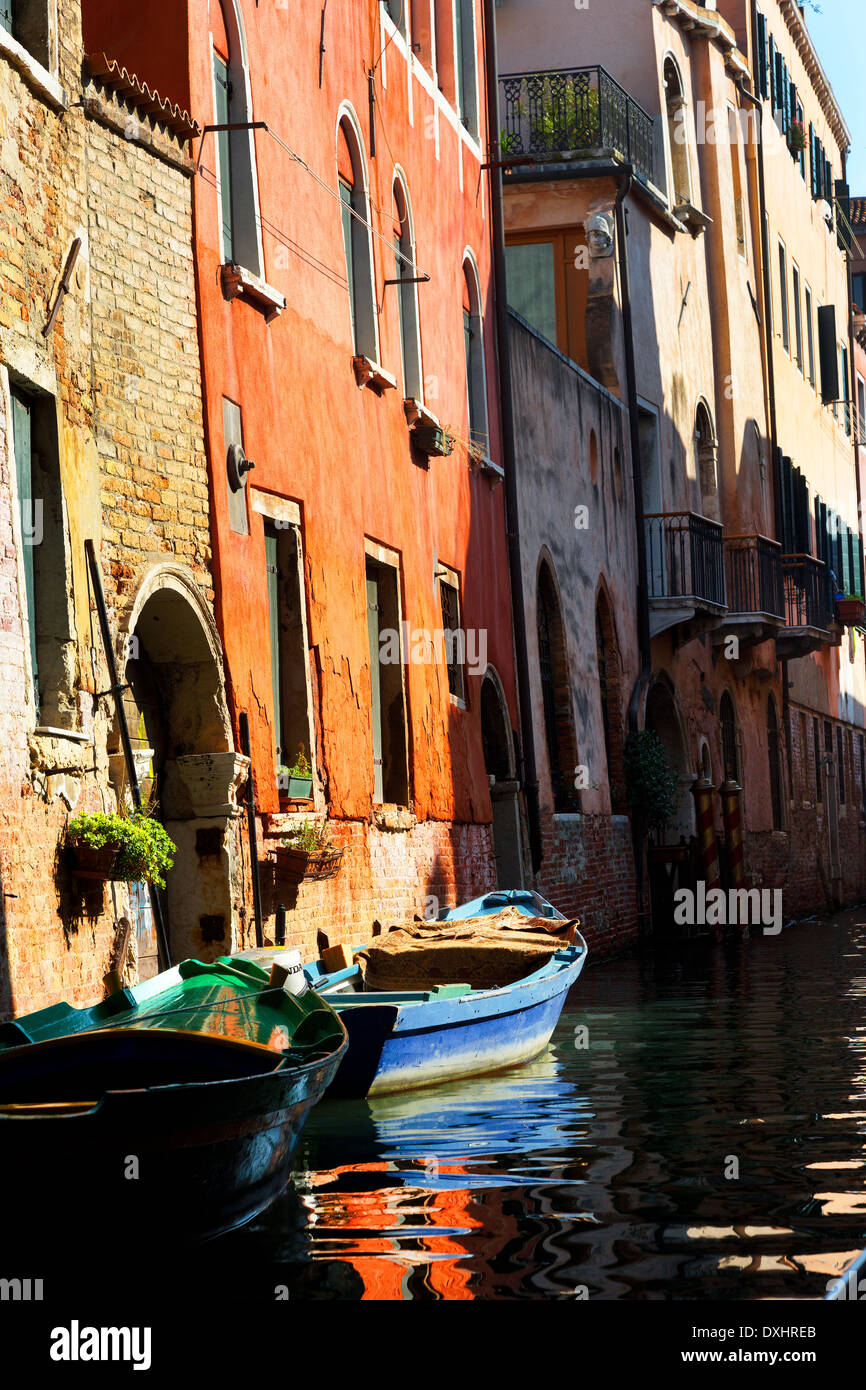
(529, 775)
(757, 104)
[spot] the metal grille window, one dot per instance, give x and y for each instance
(775, 760)
(728, 730)
(455, 638)
(6, 15)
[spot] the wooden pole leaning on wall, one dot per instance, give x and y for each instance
(116, 690)
(244, 731)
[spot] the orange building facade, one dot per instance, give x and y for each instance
(361, 577)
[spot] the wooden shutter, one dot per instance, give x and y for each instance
(762, 73)
(812, 164)
(272, 569)
(827, 354)
(223, 144)
(375, 682)
(773, 63)
(22, 444)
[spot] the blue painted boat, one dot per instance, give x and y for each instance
(400, 1039)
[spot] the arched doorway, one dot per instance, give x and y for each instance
(498, 745)
(185, 761)
(672, 862)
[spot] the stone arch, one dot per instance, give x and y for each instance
(706, 453)
(500, 765)
(662, 714)
(171, 658)
(675, 107)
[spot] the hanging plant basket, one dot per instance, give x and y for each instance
(90, 862)
(296, 865)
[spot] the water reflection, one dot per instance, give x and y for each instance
(709, 1143)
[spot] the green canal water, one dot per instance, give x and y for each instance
(704, 1139)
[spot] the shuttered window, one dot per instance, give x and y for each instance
(22, 442)
(6, 15)
(223, 145)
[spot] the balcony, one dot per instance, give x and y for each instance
(809, 608)
(755, 590)
(685, 573)
(570, 114)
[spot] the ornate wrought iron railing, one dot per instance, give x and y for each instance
(685, 557)
(753, 574)
(809, 597)
(575, 111)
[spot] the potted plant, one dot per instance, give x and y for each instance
(130, 848)
(651, 782)
(307, 854)
(296, 782)
(797, 138)
(850, 609)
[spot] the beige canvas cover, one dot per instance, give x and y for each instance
(484, 952)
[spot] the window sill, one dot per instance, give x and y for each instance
(368, 373)
(239, 283)
(493, 472)
(38, 78)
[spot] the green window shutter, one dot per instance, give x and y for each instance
(6, 15)
(812, 164)
(21, 439)
(375, 683)
(349, 244)
(273, 580)
(763, 83)
(773, 69)
(223, 144)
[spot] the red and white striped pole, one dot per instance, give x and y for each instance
(708, 844)
(729, 791)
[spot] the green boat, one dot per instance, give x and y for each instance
(183, 1096)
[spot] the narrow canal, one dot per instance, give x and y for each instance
(703, 1138)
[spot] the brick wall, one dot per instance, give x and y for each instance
(122, 364)
(588, 872)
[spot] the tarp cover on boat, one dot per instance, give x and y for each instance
(484, 952)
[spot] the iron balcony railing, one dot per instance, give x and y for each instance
(753, 574)
(571, 111)
(809, 597)
(685, 557)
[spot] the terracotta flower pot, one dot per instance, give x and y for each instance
(296, 865)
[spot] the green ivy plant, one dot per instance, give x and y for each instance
(651, 782)
(145, 852)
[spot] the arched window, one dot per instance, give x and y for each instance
(675, 103)
(407, 296)
(774, 755)
(240, 231)
(728, 730)
(355, 208)
(607, 662)
(473, 335)
(706, 446)
(556, 696)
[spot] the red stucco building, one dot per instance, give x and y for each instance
(372, 522)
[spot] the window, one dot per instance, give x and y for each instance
(675, 103)
(783, 297)
(546, 287)
(33, 24)
(828, 746)
(846, 388)
(858, 290)
(407, 297)
(397, 13)
(454, 636)
(706, 446)
(737, 178)
(290, 691)
(816, 753)
(775, 763)
(728, 732)
(235, 149)
(354, 206)
(861, 410)
(465, 75)
(827, 355)
(43, 558)
(473, 338)
(387, 695)
(798, 322)
(810, 337)
(607, 664)
(801, 158)
(840, 763)
(556, 696)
